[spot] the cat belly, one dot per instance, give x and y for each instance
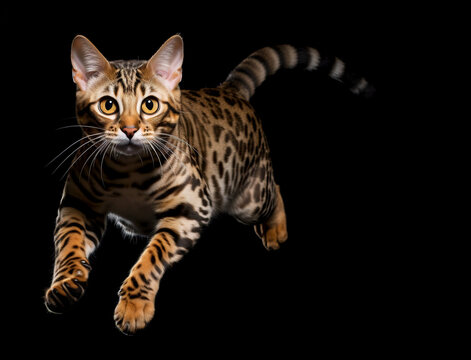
(132, 212)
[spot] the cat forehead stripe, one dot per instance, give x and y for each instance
(129, 79)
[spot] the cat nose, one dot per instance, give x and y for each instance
(129, 131)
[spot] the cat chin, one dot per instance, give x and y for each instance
(129, 149)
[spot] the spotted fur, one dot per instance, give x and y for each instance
(165, 175)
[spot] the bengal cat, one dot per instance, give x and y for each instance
(161, 162)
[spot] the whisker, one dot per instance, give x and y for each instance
(88, 159)
(103, 148)
(63, 151)
(160, 148)
(90, 141)
(116, 153)
(175, 147)
(95, 152)
(155, 150)
(139, 155)
(182, 140)
(162, 145)
(102, 160)
(77, 159)
(146, 146)
(79, 126)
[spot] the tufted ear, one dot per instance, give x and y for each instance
(167, 62)
(87, 62)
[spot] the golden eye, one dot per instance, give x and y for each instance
(150, 105)
(108, 106)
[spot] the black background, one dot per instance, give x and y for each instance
(335, 286)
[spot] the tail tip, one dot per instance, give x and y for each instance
(364, 89)
(369, 92)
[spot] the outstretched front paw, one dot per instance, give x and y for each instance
(132, 315)
(68, 288)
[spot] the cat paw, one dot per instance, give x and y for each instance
(273, 232)
(132, 315)
(67, 289)
(272, 236)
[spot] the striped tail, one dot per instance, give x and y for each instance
(253, 70)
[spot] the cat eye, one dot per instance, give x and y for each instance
(108, 106)
(150, 105)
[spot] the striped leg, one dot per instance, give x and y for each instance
(137, 294)
(74, 239)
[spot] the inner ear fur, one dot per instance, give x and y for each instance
(166, 63)
(88, 64)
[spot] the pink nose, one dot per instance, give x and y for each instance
(129, 131)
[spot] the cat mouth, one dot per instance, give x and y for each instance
(129, 149)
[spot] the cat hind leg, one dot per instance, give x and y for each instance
(260, 204)
(273, 231)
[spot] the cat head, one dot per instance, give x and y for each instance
(127, 103)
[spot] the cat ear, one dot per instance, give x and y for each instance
(167, 62)
(87, 62)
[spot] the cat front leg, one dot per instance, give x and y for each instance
(172, 239)
(75, 238)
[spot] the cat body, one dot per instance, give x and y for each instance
(226, 163)
(161, 162)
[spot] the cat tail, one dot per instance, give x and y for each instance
(253, 70)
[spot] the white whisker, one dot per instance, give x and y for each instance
(162, 149)
(78, 157)
(182, 140)
(86, 143)
(158, 142)
(102, 160)
(147, 147)
(155, 151)
(89, 157)
(175, 147)
(79, 126)
(93, 155)
(63, 151)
